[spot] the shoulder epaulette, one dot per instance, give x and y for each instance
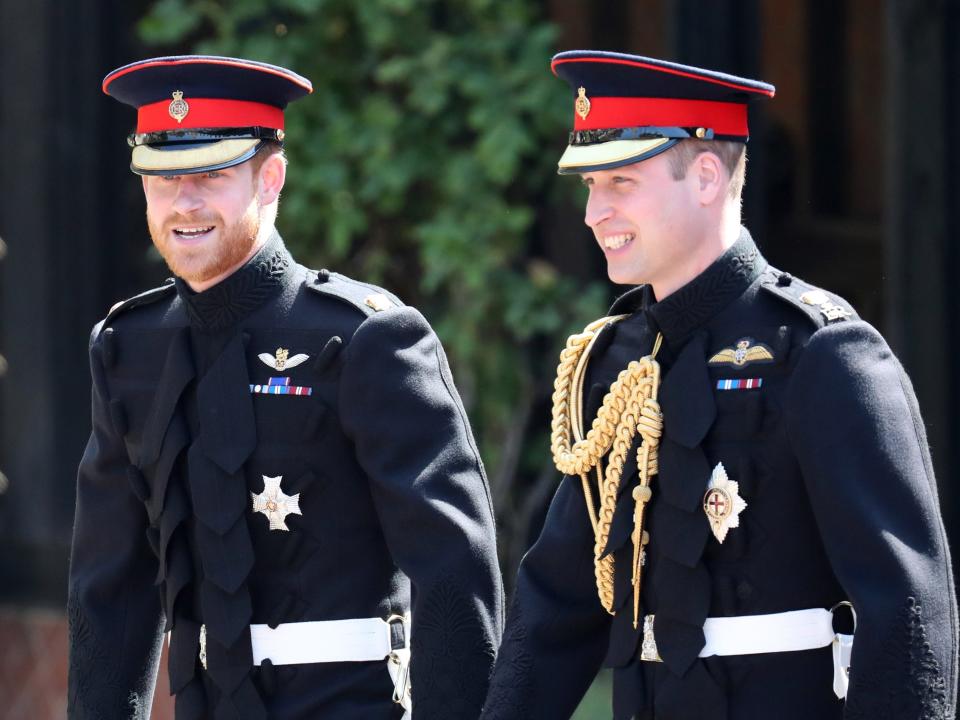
(368, 299)
(144, 298)
(822, 307)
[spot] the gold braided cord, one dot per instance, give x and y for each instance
(650, 427)
(568, 393)
(588, 496)
(630, 406)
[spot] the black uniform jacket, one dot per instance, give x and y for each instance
(832, 461)
(396, 514)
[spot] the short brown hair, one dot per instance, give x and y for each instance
(265, 150)
(733, 155)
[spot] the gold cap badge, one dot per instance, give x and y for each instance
(722, 503)
(178, 107)
(582, 105)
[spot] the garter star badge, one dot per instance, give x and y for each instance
(745, 352)
(275, 503)
(178, 107)
(582, 104)
(722, 503)
(281, 360)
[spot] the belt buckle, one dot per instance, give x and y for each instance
(648, 648)
(402, 622)
(853, 612)
(399, 656)
(203, 646)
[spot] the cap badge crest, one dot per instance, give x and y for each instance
(722, 503)
(178, 107)
(582, 105)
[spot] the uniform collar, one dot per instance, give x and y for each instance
(237, 296)
(684, 311)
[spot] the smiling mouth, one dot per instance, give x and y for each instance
(192, 233)
(615, 242)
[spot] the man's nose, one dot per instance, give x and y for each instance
(188, 197)
(598, 209)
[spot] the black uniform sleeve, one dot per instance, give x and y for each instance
(412, 438)
(557, 631)
(853, 420)
(113, 606)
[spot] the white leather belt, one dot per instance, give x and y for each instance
(323, 641)
(778, 632)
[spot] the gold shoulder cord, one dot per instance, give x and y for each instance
(629, 407)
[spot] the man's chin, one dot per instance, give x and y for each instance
(193, 275)
(621, 276)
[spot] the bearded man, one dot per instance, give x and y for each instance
(280, 476)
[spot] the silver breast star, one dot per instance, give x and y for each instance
(275, 503)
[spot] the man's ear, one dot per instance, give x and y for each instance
(711, 177)
(273, 173)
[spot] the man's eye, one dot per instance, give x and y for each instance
(213, 174)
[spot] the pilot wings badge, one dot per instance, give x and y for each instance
(744, 353)
(281, 360)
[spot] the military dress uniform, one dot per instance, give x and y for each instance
(790, 480)
(282, 478)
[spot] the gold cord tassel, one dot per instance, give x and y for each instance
(629, 407)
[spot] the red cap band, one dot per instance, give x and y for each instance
(622, 112)
(209, 113)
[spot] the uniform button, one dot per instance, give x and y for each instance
(323, 275)
(744, 590)
(784, 279)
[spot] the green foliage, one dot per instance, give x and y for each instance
(423, 161)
